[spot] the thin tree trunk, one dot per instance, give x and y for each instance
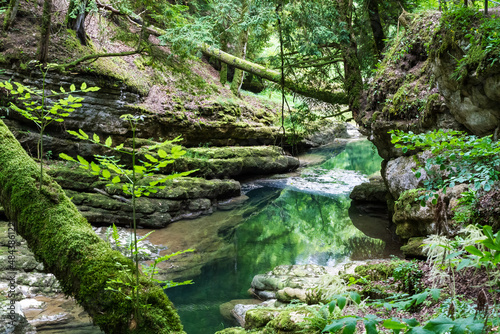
(241, 53)
(223, 66)
(376, 25)
(43, 50)
(353, 82)
(10, 15)
(67, 246)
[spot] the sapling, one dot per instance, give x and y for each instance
(43, 108)
(110, 169)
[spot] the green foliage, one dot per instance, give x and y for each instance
(110, 169)
(43, 108)
(482, 34)
(409, 276)
(151, 270)
(456, 158)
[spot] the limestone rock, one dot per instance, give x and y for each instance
(474, 103)
(303, 282)
(399, 174)
(373, 191)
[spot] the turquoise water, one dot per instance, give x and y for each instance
(306, 221)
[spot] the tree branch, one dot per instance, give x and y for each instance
(96, 56)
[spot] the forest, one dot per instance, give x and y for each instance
(249, 166)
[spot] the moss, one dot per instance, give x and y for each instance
(66, 244)
(378, 271)
(413, 248)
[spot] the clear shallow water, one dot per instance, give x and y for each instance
(306, 220)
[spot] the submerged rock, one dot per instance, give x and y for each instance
(303, 282)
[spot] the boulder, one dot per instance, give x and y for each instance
(373, 191)
(303, 282)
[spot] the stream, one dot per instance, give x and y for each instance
(304, 217)
(301, 218)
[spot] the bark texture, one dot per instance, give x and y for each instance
(65, 243)
(376, 25)
(43, 50)
(353, 82)
(10, 14)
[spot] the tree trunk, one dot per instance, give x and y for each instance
(333, 97)
(67, 246)
(223, 66)
(241, 53)
(241, 50)
(376, 25)
(353, 82)
(75, 19)
(10, 15)
(43, 50)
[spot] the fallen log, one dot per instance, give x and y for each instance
(65, 243)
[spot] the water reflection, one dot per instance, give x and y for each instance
(306, 221)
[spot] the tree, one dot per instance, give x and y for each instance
(43, 50)
(241, 47)
(376, 25)
(10, 14)
(67, 246)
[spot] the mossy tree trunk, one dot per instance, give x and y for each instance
(223, 66)
(376, 25)
(43, 50)
(241, 51)
(353, 81)
(65, 243)
(274, 76)
(10, 14)
(239, 75)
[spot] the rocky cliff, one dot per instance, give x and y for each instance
(435, 75)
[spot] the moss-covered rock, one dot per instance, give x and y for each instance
(413, 248)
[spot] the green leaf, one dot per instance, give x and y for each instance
(106, 174)
(119, 147)
(162, 154)
(473, 250)
(72, 88)
(96, 138)
(371, 324)
(95, 167)
(62, 90)
(84, 135)
(139, 169)
(463, 264)
(116, 179)
(393, 324)
(66, 157)
(82, 161)
(341, 302)
(355, 297)
(435, 293)
(83, 86)
(419, 330)
(108, 142)
(151, 158)
(439, 325)
(350, 326)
